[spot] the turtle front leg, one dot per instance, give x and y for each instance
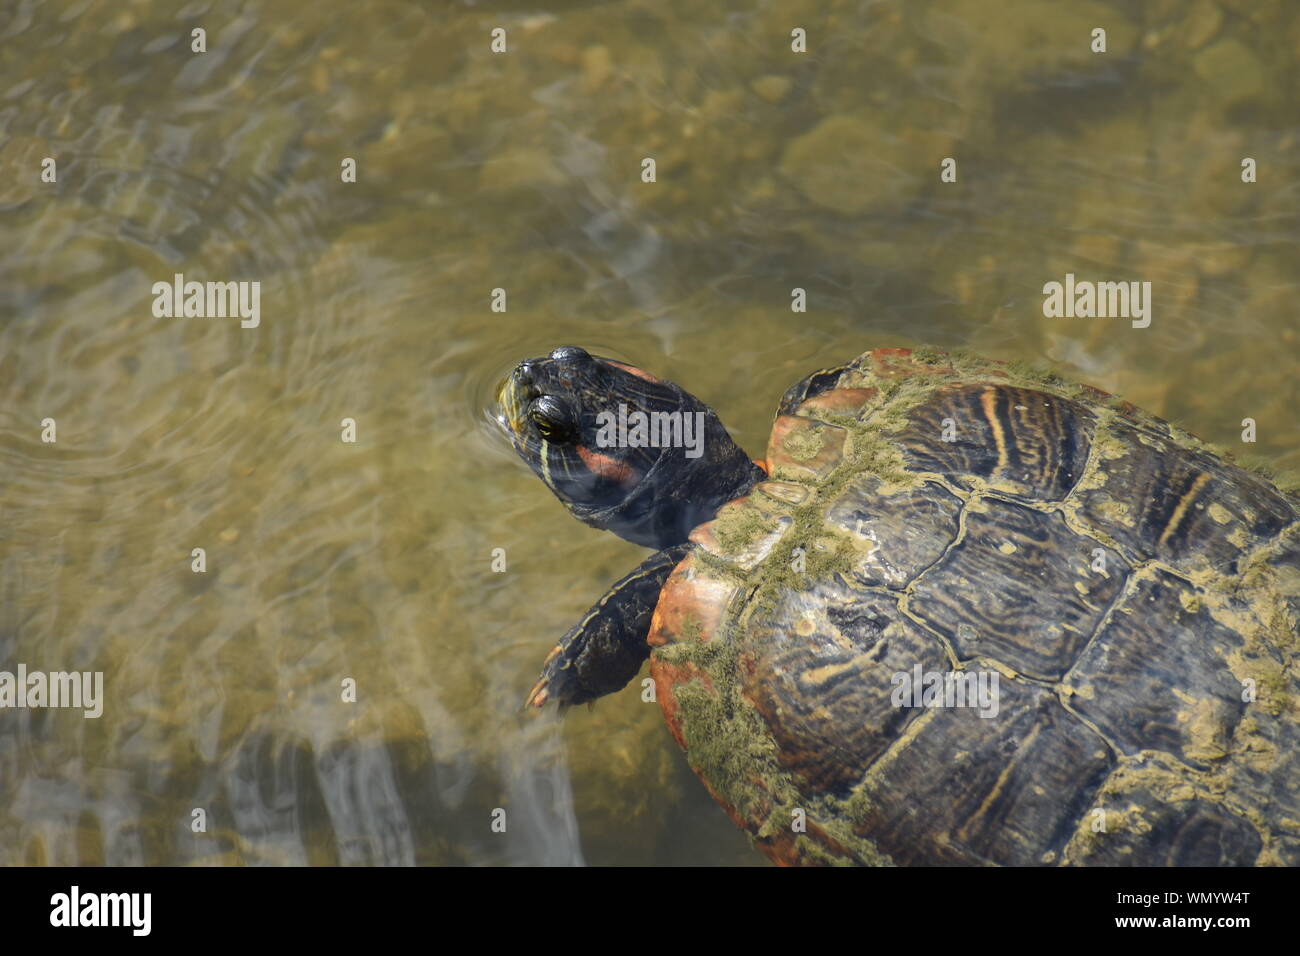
(604, 650)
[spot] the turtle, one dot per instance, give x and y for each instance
(963, 612)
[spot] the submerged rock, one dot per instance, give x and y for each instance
(848, 164)
(1231, 71)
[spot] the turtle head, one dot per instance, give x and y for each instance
(623, 450)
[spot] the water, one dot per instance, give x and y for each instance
(370, 561)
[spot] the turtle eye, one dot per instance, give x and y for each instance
(551, 419)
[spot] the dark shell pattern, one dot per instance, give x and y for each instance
(1136, 595)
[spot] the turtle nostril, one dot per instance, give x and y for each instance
(569, 353)
(525, 383)
(523, 378)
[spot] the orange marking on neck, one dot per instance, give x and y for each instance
(633, 370)
(604, 465)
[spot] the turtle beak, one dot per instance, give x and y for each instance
(505, 404)
(498, 419)
(516, 392)
(512, 403)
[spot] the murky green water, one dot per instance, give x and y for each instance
(370, 560)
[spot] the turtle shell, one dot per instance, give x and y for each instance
(1095, 614)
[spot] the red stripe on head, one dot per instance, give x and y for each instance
(605, 466)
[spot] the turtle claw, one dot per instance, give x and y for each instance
(541, 691)
(559, 681)
(555, 684)
(538, 695)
